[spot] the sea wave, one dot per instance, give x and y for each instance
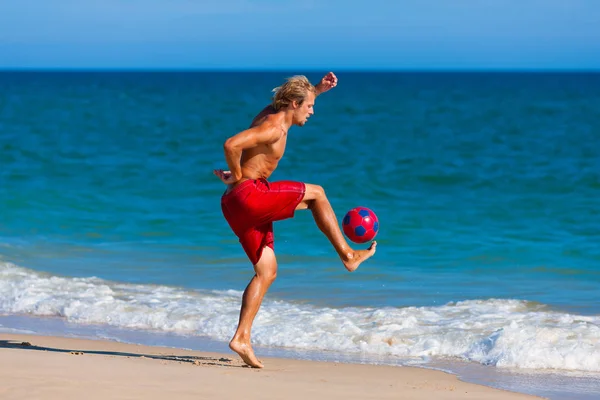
(497, 332)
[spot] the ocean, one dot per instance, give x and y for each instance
(486, 186)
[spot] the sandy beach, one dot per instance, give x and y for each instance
(40, 367)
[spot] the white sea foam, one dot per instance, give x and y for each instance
(503, 333)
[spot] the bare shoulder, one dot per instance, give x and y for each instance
(275, 119)
(266, 112)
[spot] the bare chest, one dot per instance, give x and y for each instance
(277, 149)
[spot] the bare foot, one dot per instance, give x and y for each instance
(358, 256)
(245, 351)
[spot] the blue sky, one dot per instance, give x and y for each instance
(318, 34)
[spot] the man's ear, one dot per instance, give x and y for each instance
(295, 104)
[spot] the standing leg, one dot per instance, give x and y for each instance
(315, 200)
(266, 272)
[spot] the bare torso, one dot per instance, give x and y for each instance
(261, 161)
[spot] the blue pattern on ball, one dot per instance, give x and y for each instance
(359, 230)
(346, 219)
(375, 227)
(364, 213)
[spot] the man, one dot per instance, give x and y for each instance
(251, 204)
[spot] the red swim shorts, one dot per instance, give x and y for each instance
(252, 207)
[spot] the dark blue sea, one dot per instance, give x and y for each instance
(486, 186)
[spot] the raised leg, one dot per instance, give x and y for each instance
(316, 201)
(266, 272)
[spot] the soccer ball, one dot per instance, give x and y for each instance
(360, 225)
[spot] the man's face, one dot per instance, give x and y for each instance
(305, 110)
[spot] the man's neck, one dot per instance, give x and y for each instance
(288, 119)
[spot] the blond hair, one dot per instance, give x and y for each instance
(294, 89)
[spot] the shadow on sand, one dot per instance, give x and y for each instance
(196, 360)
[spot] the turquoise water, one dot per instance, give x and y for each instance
(486, 186)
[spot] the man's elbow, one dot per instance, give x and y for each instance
(230, 146)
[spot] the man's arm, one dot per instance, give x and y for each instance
(235, 145)
(328, 82)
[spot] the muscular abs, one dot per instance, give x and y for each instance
(261, 161)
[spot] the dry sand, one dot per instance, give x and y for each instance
(53, 368)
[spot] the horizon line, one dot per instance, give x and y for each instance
(307, 69)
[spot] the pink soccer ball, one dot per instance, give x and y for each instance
(360, 225)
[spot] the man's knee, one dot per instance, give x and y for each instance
(268, 274)
(266, 268)
(314, 193)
